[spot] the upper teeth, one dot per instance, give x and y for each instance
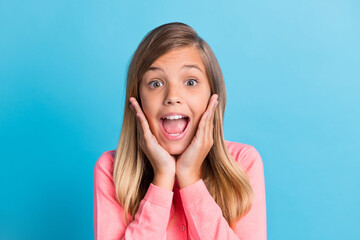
(172, 117)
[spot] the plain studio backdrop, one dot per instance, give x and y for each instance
(292, 72)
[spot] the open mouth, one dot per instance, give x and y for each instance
(175, 125)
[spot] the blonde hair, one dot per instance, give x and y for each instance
(226, 181)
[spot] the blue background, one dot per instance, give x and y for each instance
(292, 72)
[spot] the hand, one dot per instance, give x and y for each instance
(189, 162)
(162, 162)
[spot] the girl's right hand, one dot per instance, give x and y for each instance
(162, 162)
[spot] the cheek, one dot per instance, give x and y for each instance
(204, 99)
(203, 104)
(149, 109)
(199, 109)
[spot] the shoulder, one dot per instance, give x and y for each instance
(104, 164)
(245, 155)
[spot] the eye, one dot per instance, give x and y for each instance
(191, 82)
(155, 84)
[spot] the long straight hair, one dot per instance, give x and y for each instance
(225, 180)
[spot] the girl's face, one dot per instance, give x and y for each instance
(174, 93)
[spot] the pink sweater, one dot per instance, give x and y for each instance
(197, 214)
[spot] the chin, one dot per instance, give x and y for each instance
(175, 149)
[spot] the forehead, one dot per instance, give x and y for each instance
(183, 58)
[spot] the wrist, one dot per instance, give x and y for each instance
(186, 179)
(164, 180)
(187, 172)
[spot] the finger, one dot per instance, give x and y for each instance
(135, 105)
(213, 98)
(210, 124)
(138, 124)
(210, 119)
(200, 133)
(140, 116)
(201, 130)
(212, 108)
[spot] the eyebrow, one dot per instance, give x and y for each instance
(188, 66)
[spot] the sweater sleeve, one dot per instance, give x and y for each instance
(150, 221)
(204, 216)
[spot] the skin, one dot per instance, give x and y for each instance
(176, 89)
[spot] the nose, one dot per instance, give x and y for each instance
(172, 95)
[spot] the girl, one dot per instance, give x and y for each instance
(173, 176)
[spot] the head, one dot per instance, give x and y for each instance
(174, 71)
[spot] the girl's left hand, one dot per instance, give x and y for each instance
(189, 162)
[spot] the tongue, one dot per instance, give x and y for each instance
(174, 126)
